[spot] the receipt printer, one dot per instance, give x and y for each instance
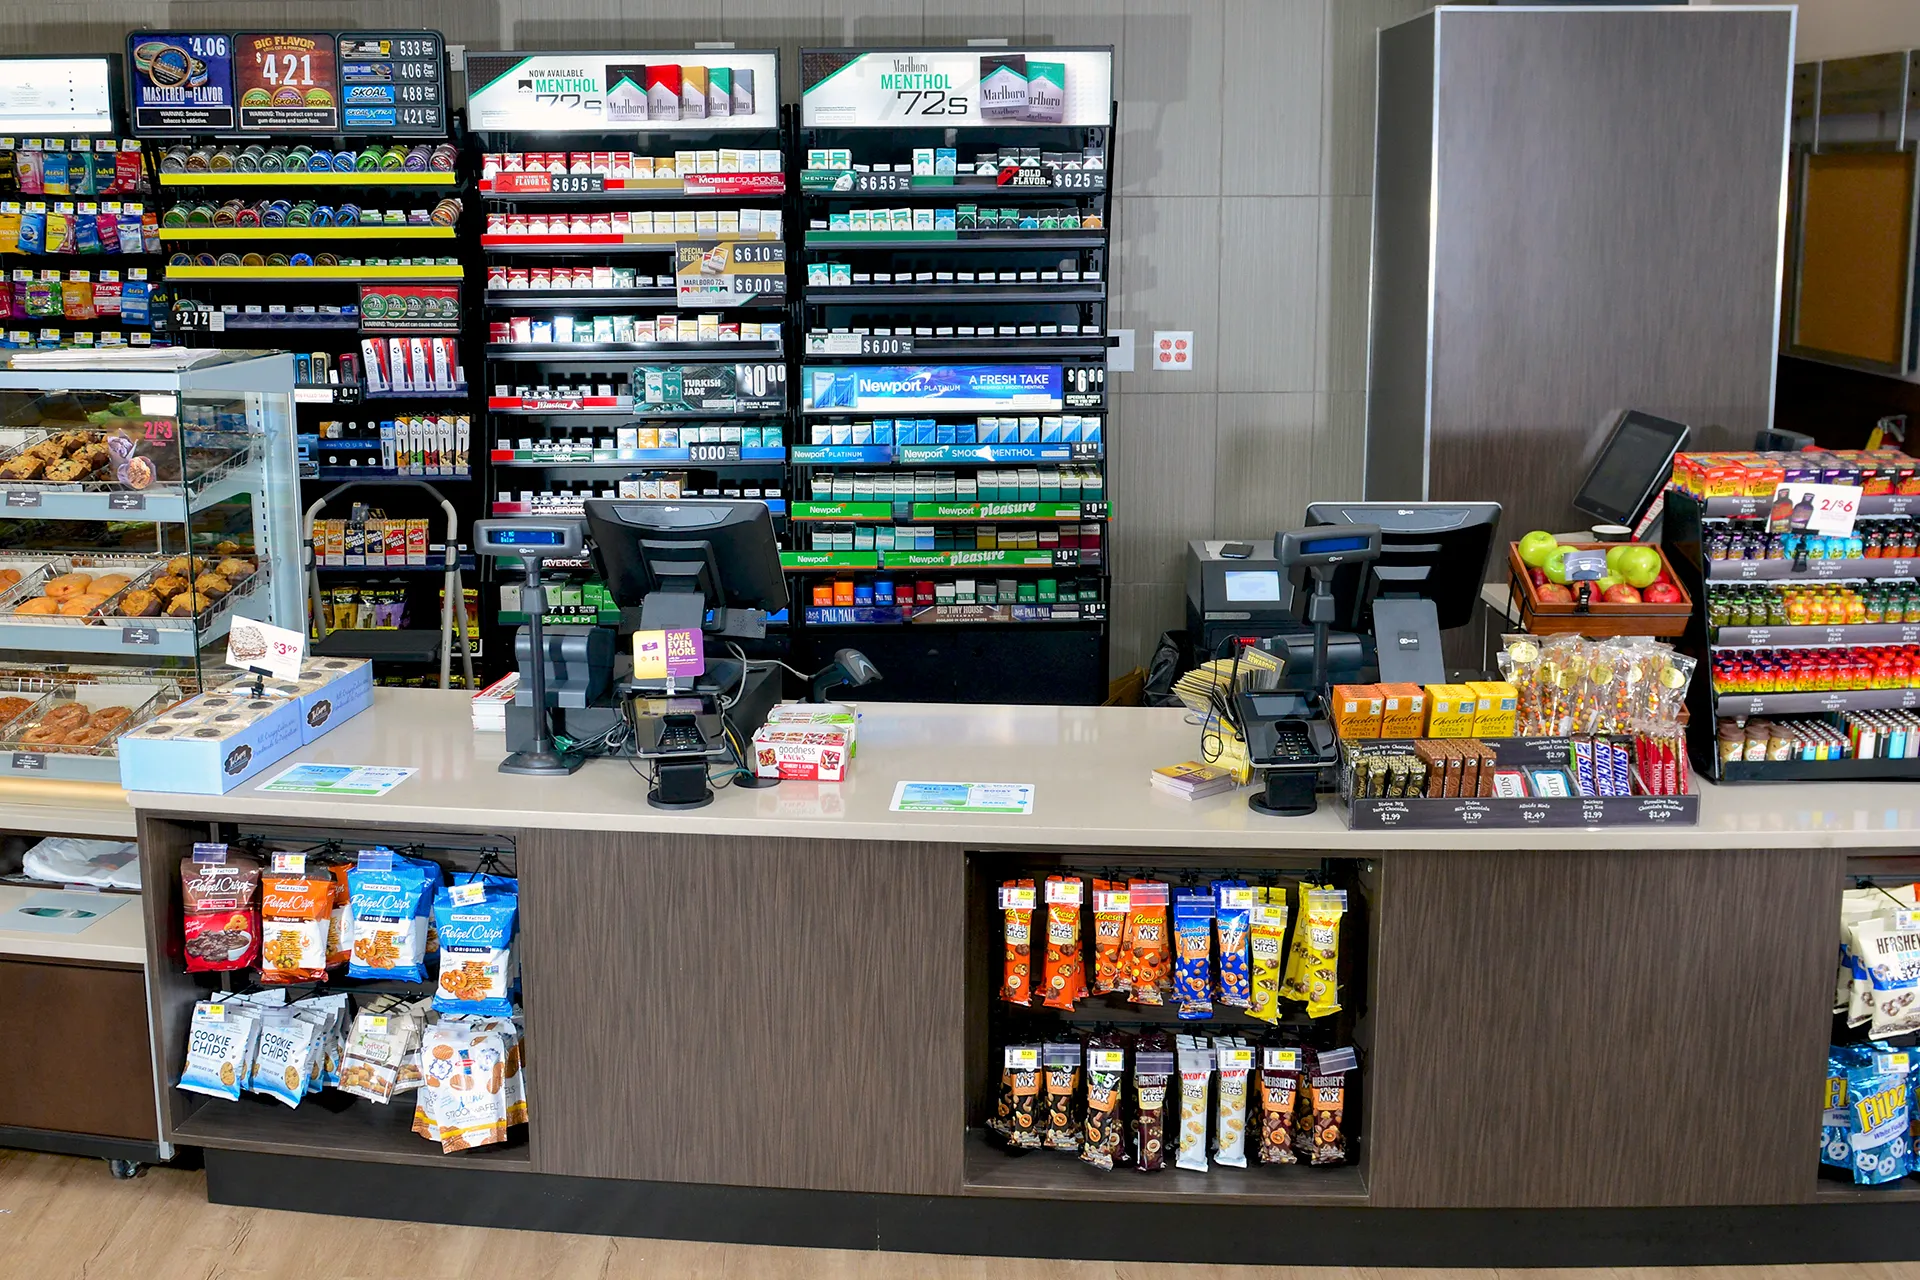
(1236, 589)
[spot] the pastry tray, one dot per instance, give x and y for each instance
(143, 699)
(32, 586)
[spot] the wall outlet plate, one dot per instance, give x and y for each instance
(1173, 350)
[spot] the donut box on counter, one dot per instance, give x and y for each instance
(213, 742)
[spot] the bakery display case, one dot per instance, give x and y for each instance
(147, 498)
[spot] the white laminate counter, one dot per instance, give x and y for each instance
(65, 809)
(1089, 766)
(119, 937)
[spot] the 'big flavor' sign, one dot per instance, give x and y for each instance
(933, 388)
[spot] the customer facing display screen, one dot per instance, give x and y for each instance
(1252, 586)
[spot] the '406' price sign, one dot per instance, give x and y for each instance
(266, 649)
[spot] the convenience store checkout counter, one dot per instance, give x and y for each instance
(77, 1076)
(766, 1020)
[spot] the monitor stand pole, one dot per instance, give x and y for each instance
(541, 758)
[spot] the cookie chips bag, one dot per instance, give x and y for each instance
(1016, 909)
(220, 1045)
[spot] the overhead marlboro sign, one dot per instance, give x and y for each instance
(728, 273)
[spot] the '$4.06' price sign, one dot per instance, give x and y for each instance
(262, 647)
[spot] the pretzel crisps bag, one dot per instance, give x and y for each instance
(1062, 1063)
(340, 923)
(1279, 1097)
(475, 922)
(1063, 974)
(294, 913)
(1109, 923)
(387, 915)
(1150, 970)
(219, 895)
(1103, 1139)
(1266, 942)
(1153, 1070)
(1016, 909)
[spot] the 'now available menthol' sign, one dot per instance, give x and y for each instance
(954, 388)
(886, 88)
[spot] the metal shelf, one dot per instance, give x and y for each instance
(955, 187)
(1815, 570)
(1879, 504)
(62, 766)
(664, 352)
(288, 321)
(1003, 240)
(999, 347)
(946, 293)
(315, 275)
(1738, 705)
(754, 457)
(553, 299)
(397, 231)
(467, 565)
(154, 637)
(375, 474)
(653, 242)
(962, 455)
(357, 178)
(170, 504)
(1803, 637)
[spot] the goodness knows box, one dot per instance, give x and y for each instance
(209, 744)
(330, 691)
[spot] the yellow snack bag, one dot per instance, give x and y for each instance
(1318, 939)
(1268, 938)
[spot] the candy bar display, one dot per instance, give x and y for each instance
(1115, 1100)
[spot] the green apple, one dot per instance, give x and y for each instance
(1555, 565)
(1603, 585)
(1639, 565)
(1613, 556)
(1535, 547)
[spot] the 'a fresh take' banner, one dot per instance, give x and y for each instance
(955, 388)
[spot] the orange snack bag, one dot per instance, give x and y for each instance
(1150, 966)
(339, 934)
(1109, 927)
(295, 911)
(1064, 973)
(1016, 909)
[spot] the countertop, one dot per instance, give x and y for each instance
(1088, 765)
(54, 808)
(117, 938)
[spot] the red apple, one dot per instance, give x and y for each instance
(1539, 576)
(1661, 593)
(1621, 593)
(1553, 593)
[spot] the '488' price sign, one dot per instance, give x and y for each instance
(728, 273)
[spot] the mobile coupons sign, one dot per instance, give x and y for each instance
(288, 82)
(886, 88)
(958, 388)
(596, 91)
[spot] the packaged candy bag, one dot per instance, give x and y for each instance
(294, 915)
(1154, 1065)
(1233, 1061)
(1109, 923)
(1196, 1077)
(1062, 973)
(1279, 1098)
(1103, 1138)
(1192, 953)
(387, 908)
(1232, 922)
(1877, 1132)
(1149, 968)
(1890, 950)
(1062, 1065)
(1267, 940)
(1016, 910)
(475, 921)
(1320, 1135)
(220, 1044)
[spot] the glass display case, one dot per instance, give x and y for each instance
(147, 498)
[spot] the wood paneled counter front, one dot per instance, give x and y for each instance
(773, 1018)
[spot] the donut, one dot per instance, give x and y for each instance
(38, 606)
(68, 715)
(11, 708)
(86, 737)
(80, 606)
(108, 583)
(109, 718)
(68, 584)
(43, 734)
(9, 578)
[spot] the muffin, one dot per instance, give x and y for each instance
(234, 569)
(184, 567)
(27, 466)
(186, 604)
(167, 586)
(212, 585)
(140, 604)
(68, 470)
(226, 547)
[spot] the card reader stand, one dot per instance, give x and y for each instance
(1289, 743)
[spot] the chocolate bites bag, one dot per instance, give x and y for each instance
(220, 904)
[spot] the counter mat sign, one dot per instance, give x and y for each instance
(181, 81)
(728, 273)
(1044, 88)
(367, 780)
(287, 80)
(963, 797)
(593, 91)
(934, 388)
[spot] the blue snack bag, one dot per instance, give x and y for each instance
(1877, 1116)
(33, 230)
(1193, 953)
(477, 920)
(1233, 923)
(1835, 1119)
(387, 907)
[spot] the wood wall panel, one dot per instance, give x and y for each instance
(777, 1013)
(1604, 1030)
(75, 1060)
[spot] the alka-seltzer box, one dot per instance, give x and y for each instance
(817, 753)
(209, 744)
(329, 692)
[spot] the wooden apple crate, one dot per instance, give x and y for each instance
(1598, 619)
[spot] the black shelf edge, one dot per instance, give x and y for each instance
(625, 195)
(641, 414)
(577, 250)
(913, 295)
(1013, 240)
(992, 193)
(549, 299)
(662, 352)
(997, 348)
(1736, 705)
